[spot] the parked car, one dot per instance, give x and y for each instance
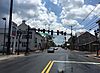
(50, 50)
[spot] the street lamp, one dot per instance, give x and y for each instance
(4, 35)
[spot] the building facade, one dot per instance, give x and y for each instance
(12, 35)
(85, 42)
(36, 40)
(19, 38)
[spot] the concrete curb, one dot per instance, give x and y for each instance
(10, 57)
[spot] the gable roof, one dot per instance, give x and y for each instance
(86, 33)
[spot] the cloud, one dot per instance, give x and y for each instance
(54, 1)
(69, 22)
(4, 7)
(77, 13)
(72, 3)
(39, 14)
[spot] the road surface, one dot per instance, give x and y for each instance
(65, 61)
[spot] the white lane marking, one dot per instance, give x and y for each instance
(76, 62)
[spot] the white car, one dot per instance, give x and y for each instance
(50, 50)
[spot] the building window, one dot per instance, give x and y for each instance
(35, 45)
(30, 36)
(12, 44)
(24, 36)
(6, 44)
(16, 37)
(35, 40)
(24, 44)
(16, 44)
(41, 40)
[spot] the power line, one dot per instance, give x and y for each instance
(96, 17)
(88, 15)
(93, 27)
(91, 23)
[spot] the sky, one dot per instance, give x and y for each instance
(59, 14)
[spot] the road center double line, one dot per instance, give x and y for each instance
(48, 67)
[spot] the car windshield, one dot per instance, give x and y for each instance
(49, 36)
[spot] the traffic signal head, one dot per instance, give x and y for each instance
(64, 33)
(35, 29)
(43, 30)
(51, 32)
(61, 32)
(39, 30)
(48, 31)
(95, 33)
(57, 32)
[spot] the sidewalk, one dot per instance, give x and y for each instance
(93, 55)
(5, 57)
(89, 54)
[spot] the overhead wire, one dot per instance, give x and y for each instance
(88, 14)
(91, 24)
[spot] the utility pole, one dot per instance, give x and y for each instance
(19, 35)
(9, 31)
(96, 41)
(27, 43)
(4, 35)
(98, 22)
(71, 38)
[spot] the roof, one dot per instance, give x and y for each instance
(39, 34)
(86, 33)
(98, 21)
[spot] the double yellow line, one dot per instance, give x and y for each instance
(48, 67)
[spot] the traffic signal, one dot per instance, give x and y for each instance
(38, 29)
(96, 34)
(61, 32)
(48, 31)
(43, 30)
(35, 29)
(51, 32)
(57, 32)
(64, 33)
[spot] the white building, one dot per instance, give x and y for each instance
(23, 28)
(36, 41)
(13, 36)
(39, 41)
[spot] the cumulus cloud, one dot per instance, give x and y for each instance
(77, 13)
(37, 15)
(69, 22)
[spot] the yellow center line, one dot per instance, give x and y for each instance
(46, 67)
(50, 67)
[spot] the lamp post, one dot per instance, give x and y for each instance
(4, 35)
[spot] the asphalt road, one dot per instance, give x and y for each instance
(62, 60)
